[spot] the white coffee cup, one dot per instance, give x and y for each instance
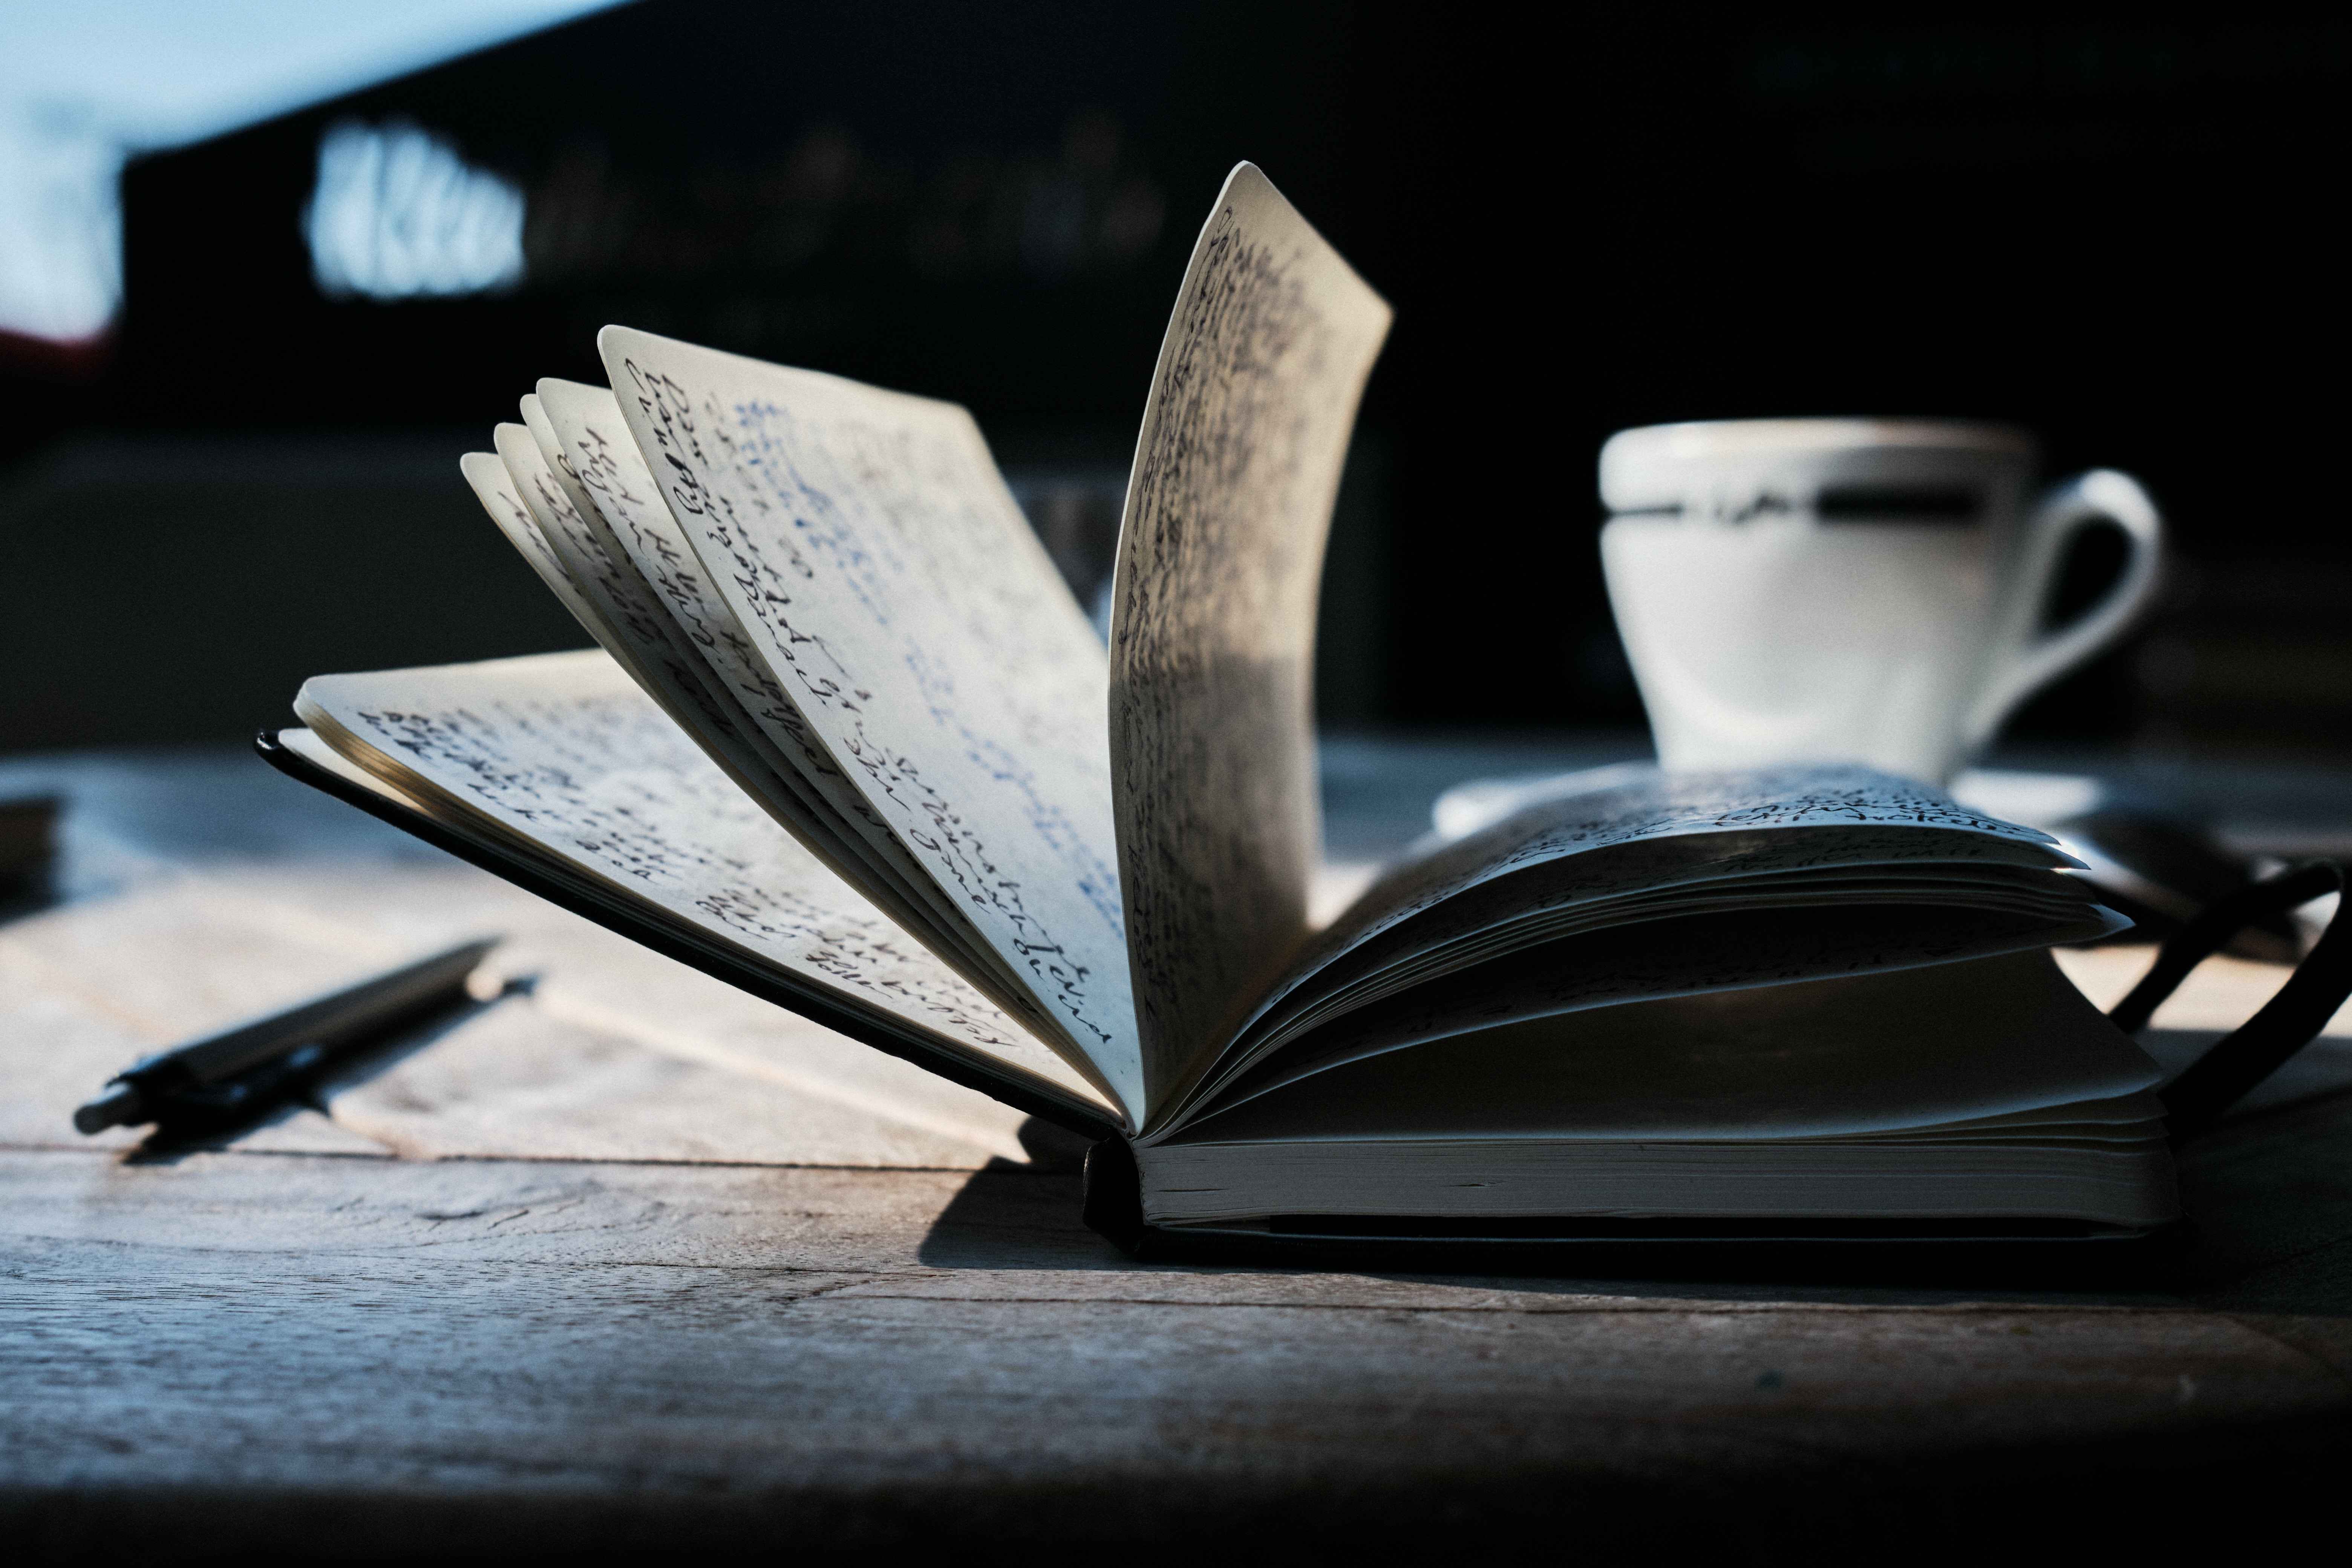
(1850, 590)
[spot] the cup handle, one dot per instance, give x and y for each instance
(2025, 662)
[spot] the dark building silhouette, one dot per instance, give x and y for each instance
(2118, 234)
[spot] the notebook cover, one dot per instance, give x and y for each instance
(1593, 1245)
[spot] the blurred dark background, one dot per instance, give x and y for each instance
(2121, 234)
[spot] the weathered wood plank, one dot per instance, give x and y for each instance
(248, 1351)
(745, 1351)
(618, 1053)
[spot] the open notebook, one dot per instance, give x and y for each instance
(848, 741)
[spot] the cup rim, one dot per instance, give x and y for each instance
(1726, 437)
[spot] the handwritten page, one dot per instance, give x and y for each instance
(869, 547)
(1652, 834)
(1748, 821)
(805, 811)
(615, 594)
(656, 649)
(495, 488)
(634, 626)
(595, 457)
(636, 598)
(598, 462)
(1681, 844)
(1452, 936)
(1822, 1058)
(1212, 626)
(501, 494)
(1748, 945)
(561, 755)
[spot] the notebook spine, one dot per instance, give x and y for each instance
(1112, 1206)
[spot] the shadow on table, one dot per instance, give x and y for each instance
(1015, 1218)
(1010, 1214)
(2269, 1196)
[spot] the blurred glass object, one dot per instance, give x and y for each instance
(1076, 513)
(398, 213)
(84, 86)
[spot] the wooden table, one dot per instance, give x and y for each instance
(302, 1344)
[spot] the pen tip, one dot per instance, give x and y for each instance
(118, 1106)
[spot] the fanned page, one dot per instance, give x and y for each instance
(759, 737)
(1796, 817)
(865, 542)
(1947, 1046)
(560, 757)
(622, 613)
(495, 488)
(542, 518)
(596, 454)
(1663, 885)
(1212, 626)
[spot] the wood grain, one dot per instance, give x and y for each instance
(236, 1352)
(726, 1355)
(616, 1054)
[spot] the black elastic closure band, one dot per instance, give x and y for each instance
(2286, 1023)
